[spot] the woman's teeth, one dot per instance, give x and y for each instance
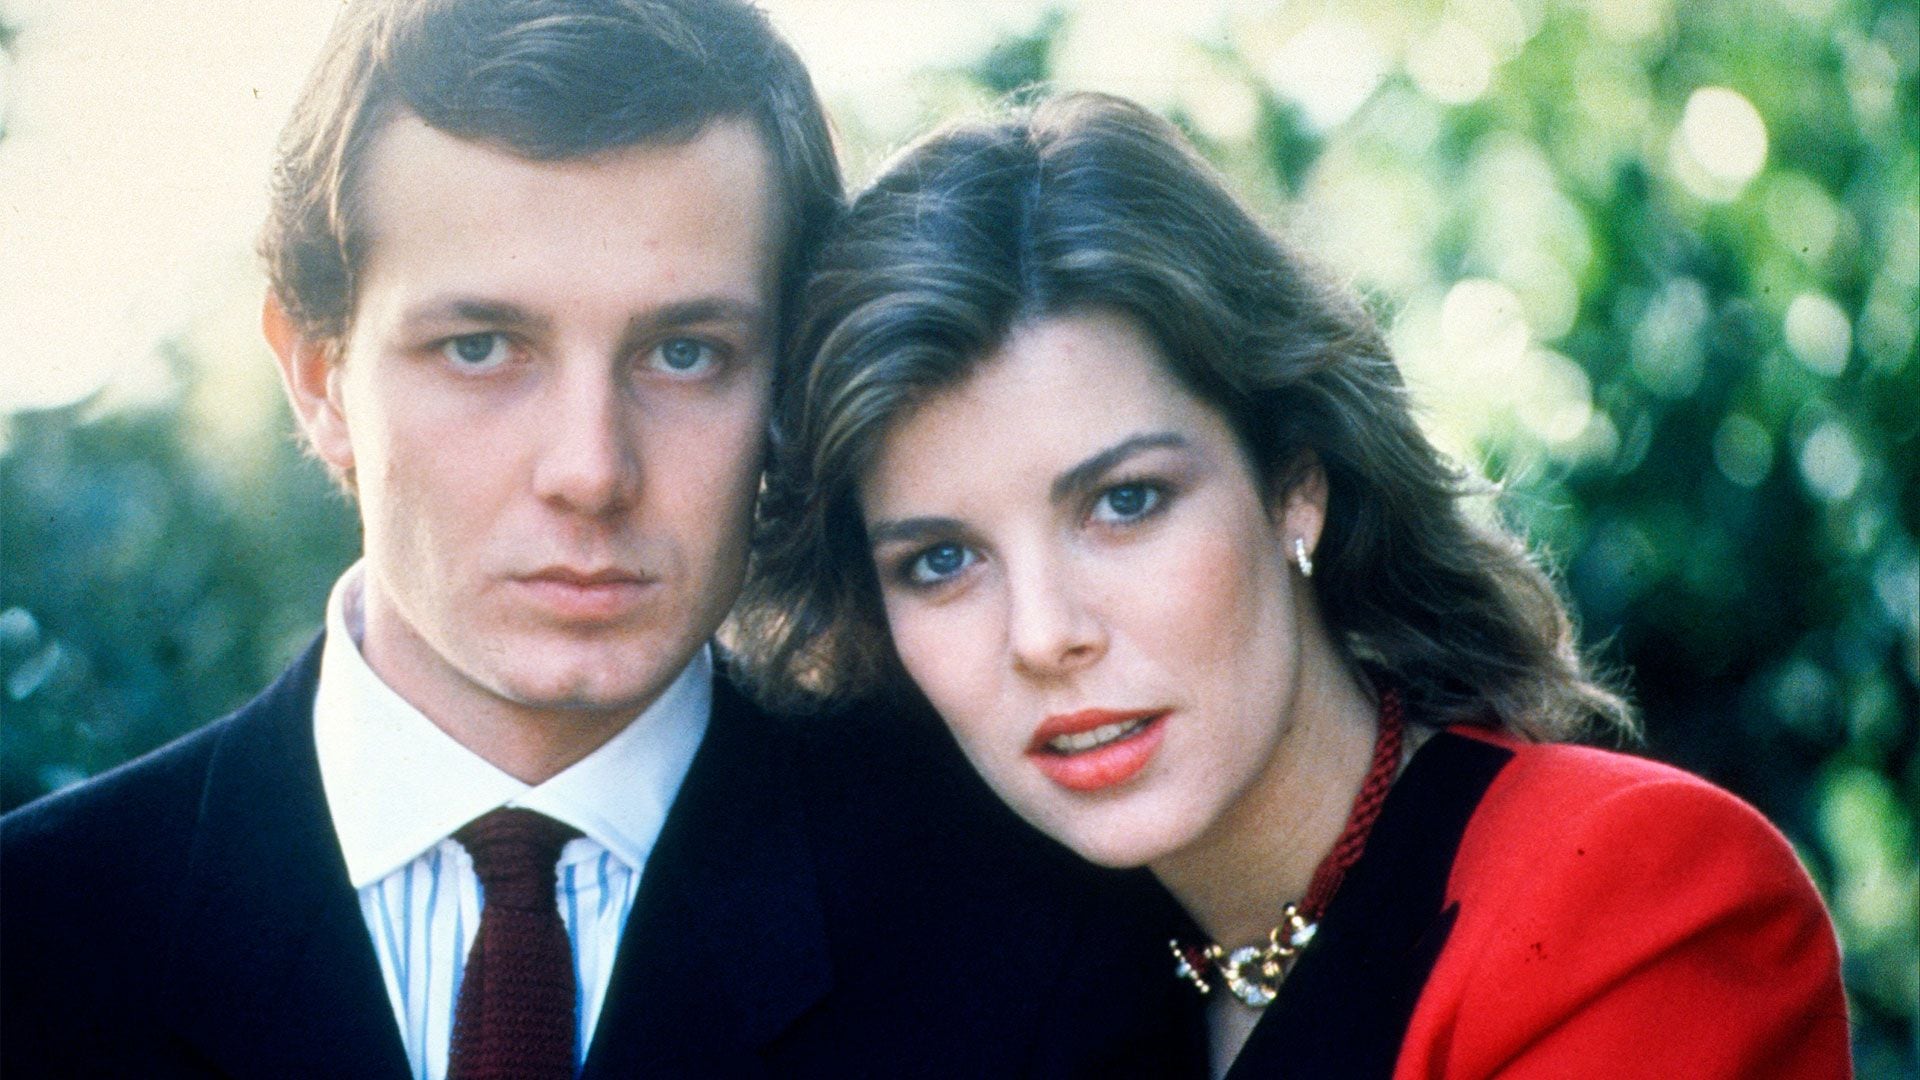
(1100, 736)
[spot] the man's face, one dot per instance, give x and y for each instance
(552, 400)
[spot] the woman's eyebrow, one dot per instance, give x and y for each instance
(1074, 481)
(1077, 480)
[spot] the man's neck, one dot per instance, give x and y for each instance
(532, 748)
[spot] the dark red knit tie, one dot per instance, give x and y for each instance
(514, 1020)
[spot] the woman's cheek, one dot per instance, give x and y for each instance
(939, 653)
(1207, 585)
(946, 653)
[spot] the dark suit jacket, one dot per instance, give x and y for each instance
(1561, 913)
(836, 899)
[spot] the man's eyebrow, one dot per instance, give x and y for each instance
(464, 309)
(1082, 477)
(752, 322)
(500, 313)
(704, 309)
(910, 530)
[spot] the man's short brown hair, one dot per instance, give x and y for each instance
(547, 80)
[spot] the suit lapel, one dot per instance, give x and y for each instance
(283, 978)
(725, 948)
(1344, 1008)
(726, 945)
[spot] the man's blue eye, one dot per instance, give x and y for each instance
(939, 562)
(476, 350)
(682, 355)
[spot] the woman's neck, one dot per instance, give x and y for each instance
(1262, 852)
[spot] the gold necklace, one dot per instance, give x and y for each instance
(1252, 973)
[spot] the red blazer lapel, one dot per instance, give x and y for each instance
(1344, 1008)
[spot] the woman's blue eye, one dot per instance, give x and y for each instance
(1126, 502)
(476, 350)
(684, 356)
(939, 563)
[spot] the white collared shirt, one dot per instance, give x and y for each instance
(397, 788)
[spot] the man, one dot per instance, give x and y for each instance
(528, 266)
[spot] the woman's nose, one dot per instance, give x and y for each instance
(1052, 629)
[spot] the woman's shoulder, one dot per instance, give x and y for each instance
(1559, 762)
(1558, 803)
(1595, 893)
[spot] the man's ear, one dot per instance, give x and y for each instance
(1299, 502)
(310, 374)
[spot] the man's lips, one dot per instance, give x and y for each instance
(585, 594)
(567, 575)
(1096, 748)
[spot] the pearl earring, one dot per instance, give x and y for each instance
(1301, 558)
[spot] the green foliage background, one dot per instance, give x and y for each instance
(1736, 518)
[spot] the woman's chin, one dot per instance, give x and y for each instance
(1118, 843)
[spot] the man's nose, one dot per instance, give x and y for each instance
(1052, 627)
(589, 461)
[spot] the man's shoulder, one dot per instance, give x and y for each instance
(152, 795)
(133, 826)
(890, 798)
(154, 788)
(93, 874)
(97, 877)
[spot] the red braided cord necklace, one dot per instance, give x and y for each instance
(1253, 973)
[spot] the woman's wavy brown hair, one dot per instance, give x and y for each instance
(1087, 202)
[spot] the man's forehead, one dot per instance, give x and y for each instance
(731, 147)
(425, 185)
(696, 210)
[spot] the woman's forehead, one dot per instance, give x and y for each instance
(1060, 391)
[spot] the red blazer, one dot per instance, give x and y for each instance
(1526, 911)
(1620, 918)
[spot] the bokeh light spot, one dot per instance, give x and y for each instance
(1450, 63)
(1627, 20)
(1831, 462)
(1481, 322)
(1818, 333)
(1721, 143)
(1330, 68)
(1560, 405)
(1801, 216)
(1666, 348)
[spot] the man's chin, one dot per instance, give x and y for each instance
(591, 690)
(561, 673)
(589, 698)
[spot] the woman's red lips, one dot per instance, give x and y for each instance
(1096, 748)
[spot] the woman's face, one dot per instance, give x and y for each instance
(1081, 573)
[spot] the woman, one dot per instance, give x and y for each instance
(1137, 501)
